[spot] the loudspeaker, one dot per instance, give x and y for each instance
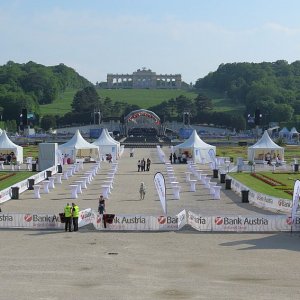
(24, 116)
(257, 117)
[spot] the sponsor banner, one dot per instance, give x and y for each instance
(199, 222)
(295, 200)
(160, 185)
(34, 221)
(138, 222)
(265, 223)
(86, 216)
(182, 220)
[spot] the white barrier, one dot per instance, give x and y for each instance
(220, 223)
(262, 200)
(5, 194)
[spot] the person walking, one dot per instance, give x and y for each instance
(75, 215)
(143, 165)
(68, 216)
(101, 206)
(142, 191)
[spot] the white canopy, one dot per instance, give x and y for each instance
(7, 146)
(78, 147)
(258, 151)
(195, 147)
(107, 145)
(284, 132)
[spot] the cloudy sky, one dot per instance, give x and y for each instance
(191, 37)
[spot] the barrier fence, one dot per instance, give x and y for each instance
(218, 223)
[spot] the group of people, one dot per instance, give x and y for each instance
(8, 158)
(275, 158)
(71, 213)
(144, 165)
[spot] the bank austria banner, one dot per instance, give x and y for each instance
(139, 222)
(107, 222)
(263, 223)
(30, 220)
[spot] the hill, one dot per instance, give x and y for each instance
(272, 87)
(142, 98)
(30, 85)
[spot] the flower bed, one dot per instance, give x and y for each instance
(267, 179)
(3, 177)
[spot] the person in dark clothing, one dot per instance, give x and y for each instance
(101, 206)
(171, 156)
(148, 164)
(139, 165)
(143, 165)
(174, 157)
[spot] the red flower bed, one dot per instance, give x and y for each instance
(7, 176)
(280, 183)
(266, 180)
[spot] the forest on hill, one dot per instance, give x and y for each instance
(30, 85)
(272, 87)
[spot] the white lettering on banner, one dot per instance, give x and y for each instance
(199, 222)
(86, 216)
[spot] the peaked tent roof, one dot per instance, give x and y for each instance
(6, 143)
(77, 142)
(294, 131)
(110, 137)
(284, 130)
(194, 141)
(105, 139)
(265, 142)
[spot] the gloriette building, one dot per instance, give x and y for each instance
(144, 79)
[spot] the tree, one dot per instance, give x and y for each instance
(48, 121)
(86, 100)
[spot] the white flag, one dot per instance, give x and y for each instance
(160, 185)
(296, 194)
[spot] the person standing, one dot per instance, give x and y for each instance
(75, 215)
(143, 165)
(148, 164)
(68, 216)
(101, 206)
(142, 191)
(139, 165)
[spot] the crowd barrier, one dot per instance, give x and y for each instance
(6, 194)
(262, 200)
(218, 223)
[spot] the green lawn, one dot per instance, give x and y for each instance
(19, 176)
(143, 98)
(287, 179)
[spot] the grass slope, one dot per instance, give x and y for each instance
(144, 98)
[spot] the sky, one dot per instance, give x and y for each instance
(187, 37)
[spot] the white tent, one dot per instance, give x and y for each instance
(262, 147)
(78, 147)
(107, 145)
(284, 132)
(7, 146)
(196, 148)
(294, 133)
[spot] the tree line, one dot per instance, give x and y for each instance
(87, 100)
(273, 87)
(29, 85)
